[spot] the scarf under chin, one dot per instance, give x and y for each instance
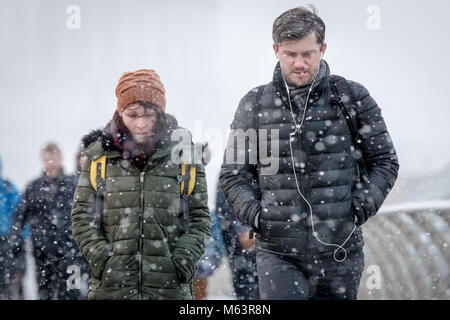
(299, 94)
(138, 154)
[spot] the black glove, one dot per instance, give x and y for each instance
(358, 211)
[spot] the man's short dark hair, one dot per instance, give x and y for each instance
(297, 23)
(51, 147)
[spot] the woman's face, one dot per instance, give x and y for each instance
(140, 121)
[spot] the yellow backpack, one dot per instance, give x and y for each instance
(98, 174)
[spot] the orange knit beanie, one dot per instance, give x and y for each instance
(143, 85)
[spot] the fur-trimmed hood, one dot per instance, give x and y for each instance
(102, 139)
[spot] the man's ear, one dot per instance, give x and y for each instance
(275, 49)
(324, 48)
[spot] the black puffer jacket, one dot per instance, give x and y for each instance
(325, 167)
(46, 206)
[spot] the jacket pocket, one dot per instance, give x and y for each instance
(181, 275)
(94, 285)
(105, 270)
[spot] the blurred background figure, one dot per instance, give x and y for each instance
(12, 264)
(240, 250)
(46, 206)
(80, 161)
(209, 261)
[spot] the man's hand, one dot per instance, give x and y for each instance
(18, 278)
(246, 243)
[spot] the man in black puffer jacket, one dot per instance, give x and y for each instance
(308, 224)
(46, 206)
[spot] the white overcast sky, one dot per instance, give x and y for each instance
(58, 84)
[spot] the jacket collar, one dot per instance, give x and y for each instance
(319, 86)
(100, 142)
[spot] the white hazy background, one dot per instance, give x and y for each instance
(57, 83)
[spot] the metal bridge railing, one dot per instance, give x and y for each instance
(407, 254)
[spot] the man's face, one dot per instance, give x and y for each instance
(139, 121)
(299, 59)
(52, 163)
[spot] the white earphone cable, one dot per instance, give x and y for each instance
(297, 128)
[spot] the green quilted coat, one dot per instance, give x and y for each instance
(140, 250)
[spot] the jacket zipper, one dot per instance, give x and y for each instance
(303, 206)
(306, 188)
(299, 143)
(302, 183)
(141, 233)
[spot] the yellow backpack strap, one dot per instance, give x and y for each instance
(191, 180)
(187, 174)
(186, 187)
(98, 169)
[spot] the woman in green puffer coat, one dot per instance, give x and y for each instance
(133, 233)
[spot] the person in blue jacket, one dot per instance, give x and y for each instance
(210, 261)
(239, 249)
(230, 239)
(12, 266)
